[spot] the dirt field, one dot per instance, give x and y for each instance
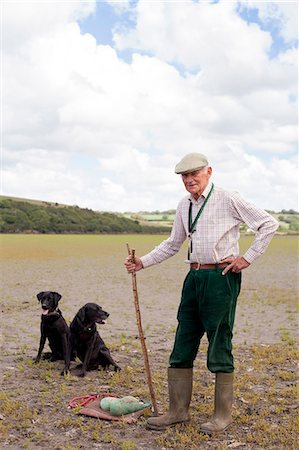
(34, 399)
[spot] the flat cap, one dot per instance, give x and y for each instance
(191, 162)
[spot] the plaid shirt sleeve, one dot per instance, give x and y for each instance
(256, 219)
(172, 245)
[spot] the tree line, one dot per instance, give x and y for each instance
(17, 216)
(26, 216)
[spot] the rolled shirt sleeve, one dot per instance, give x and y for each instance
(258, 220)
(170, 246)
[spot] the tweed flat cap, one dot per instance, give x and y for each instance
(191, 162)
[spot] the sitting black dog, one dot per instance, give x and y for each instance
(55, 329)
(86, 341)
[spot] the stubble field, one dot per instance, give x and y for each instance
(34, 399)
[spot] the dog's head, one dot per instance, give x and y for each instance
(49, 301)
(91, 313)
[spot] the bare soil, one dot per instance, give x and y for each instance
(34, 399)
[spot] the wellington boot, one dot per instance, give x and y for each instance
(222, 417)
(180, 392)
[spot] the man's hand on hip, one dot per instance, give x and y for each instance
(235, 264)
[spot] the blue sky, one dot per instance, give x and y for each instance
(103, 98)
(279, 45)
(100, 23)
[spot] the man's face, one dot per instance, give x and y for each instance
(196, 182)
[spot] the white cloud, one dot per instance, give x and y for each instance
(284, 13)
(212, 38)
(120, 6)
(258, 180)
(185, 32)
(23, 20)
(41, 174)
(64, 94)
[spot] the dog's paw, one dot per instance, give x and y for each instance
(81, 374)
(47, 356)
(65, 372)
(117, 368)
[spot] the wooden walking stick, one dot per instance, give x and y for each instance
(141, 335)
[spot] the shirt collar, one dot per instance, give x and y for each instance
(204, 194)
(207, 189)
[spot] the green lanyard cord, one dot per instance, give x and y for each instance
(191, 225)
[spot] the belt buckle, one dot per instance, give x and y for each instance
(198, 266)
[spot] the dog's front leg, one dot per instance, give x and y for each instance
(107, 359)
(70, 351)
(87, 357)
(41, 347)
(66, 354)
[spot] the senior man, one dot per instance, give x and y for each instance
(210, 218)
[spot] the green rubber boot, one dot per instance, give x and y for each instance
(180, 392)
(222, 417)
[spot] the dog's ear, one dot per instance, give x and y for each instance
(81, 314)
(40, 296)
(56, 296)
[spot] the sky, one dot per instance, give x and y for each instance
(100, 100)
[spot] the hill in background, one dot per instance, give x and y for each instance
(32, 216)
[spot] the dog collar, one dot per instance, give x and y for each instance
(56, 312)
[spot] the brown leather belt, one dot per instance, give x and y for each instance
(198, 266)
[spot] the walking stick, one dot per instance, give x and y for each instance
(141, 335)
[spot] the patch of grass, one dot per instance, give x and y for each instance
(183, 437)
(273, 355)
(70, 421)
(69, 447)
(108, 438)
(285, 337)
(17, 415)
(287, 375)
(128, 445)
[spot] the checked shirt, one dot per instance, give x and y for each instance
(216, 234)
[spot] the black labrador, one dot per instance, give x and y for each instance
(55, 329)
(86, 342)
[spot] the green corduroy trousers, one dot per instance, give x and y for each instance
(208, 305)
